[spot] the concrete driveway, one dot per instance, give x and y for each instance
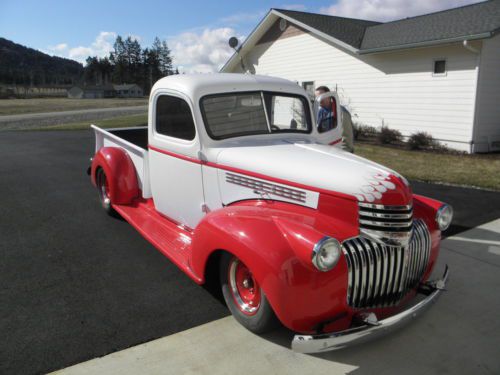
(78, 285)
(460, 334)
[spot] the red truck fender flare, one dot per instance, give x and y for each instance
(281, 265)
(426, 208)
(120, 172)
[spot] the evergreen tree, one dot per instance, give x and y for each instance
(130, 63)
(118, 59)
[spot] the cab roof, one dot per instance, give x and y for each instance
(196, 86)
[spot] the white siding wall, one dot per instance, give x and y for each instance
(487, 128)
(397, 89)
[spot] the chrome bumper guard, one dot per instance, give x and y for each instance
(372, 328)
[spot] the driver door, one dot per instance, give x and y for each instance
(175, 176)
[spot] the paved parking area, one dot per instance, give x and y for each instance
(77, 285)
(36, 120)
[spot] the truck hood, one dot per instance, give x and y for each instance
(322, 168)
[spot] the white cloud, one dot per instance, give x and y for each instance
(134, 37)
(59, 47)
(388, 10)
(101, 46)
(299, 7)
(237, 19)
(80, 53)
(202, 52)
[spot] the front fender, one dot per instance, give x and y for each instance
(425, 208)
(258, 233)
(120, 173)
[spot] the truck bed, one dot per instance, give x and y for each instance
(135, 142)
(136, 136)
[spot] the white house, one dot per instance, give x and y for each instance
(91, 91)
(105, 91)
(128, 91)
(438, 73)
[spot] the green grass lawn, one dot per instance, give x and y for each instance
(20, 106)
(114, 122)
(472, 170)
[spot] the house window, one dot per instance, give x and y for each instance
(174, 118)
(439, 67)
(309, 87)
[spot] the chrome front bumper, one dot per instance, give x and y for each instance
(372, 328)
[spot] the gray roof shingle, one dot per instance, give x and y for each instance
(464, 22)
(347, 30)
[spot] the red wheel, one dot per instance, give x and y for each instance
(244, 296)
(244, 288)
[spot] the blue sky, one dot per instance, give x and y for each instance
(197, 31)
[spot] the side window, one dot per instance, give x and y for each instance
(309, 87)
(174, 118)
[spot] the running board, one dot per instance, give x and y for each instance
(170, 238)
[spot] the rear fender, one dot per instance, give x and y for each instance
(120, 172)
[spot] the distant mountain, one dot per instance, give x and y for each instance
(22, 65)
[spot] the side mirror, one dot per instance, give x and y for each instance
(328, 118)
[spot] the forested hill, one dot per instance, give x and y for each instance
(22, 65)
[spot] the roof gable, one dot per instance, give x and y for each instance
(476, 21)
(347, 30)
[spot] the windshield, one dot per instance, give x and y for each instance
(246, 113)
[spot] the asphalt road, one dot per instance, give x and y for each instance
(30, 120)
(76, 284)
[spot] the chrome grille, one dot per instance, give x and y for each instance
(262, 187)
(388, 224)
(381, 275)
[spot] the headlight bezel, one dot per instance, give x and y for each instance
(319, 247)
(440, 215)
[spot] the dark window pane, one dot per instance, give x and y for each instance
(174, 118)
(309, 87)
(245, 113)
(230, 115)
(439, 66)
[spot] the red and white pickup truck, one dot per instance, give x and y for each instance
(232, 178)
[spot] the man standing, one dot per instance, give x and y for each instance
(326, 119)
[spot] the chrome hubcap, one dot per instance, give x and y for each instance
(244, 289)
(102, 184)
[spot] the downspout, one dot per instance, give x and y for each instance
(468, 47)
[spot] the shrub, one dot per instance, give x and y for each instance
(362, 131)
(424, 141)
(420, 141)
(389, 136)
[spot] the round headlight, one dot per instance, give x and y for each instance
(326, 254)
(444, 216)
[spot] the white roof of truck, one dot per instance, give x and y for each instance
(197, 85)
